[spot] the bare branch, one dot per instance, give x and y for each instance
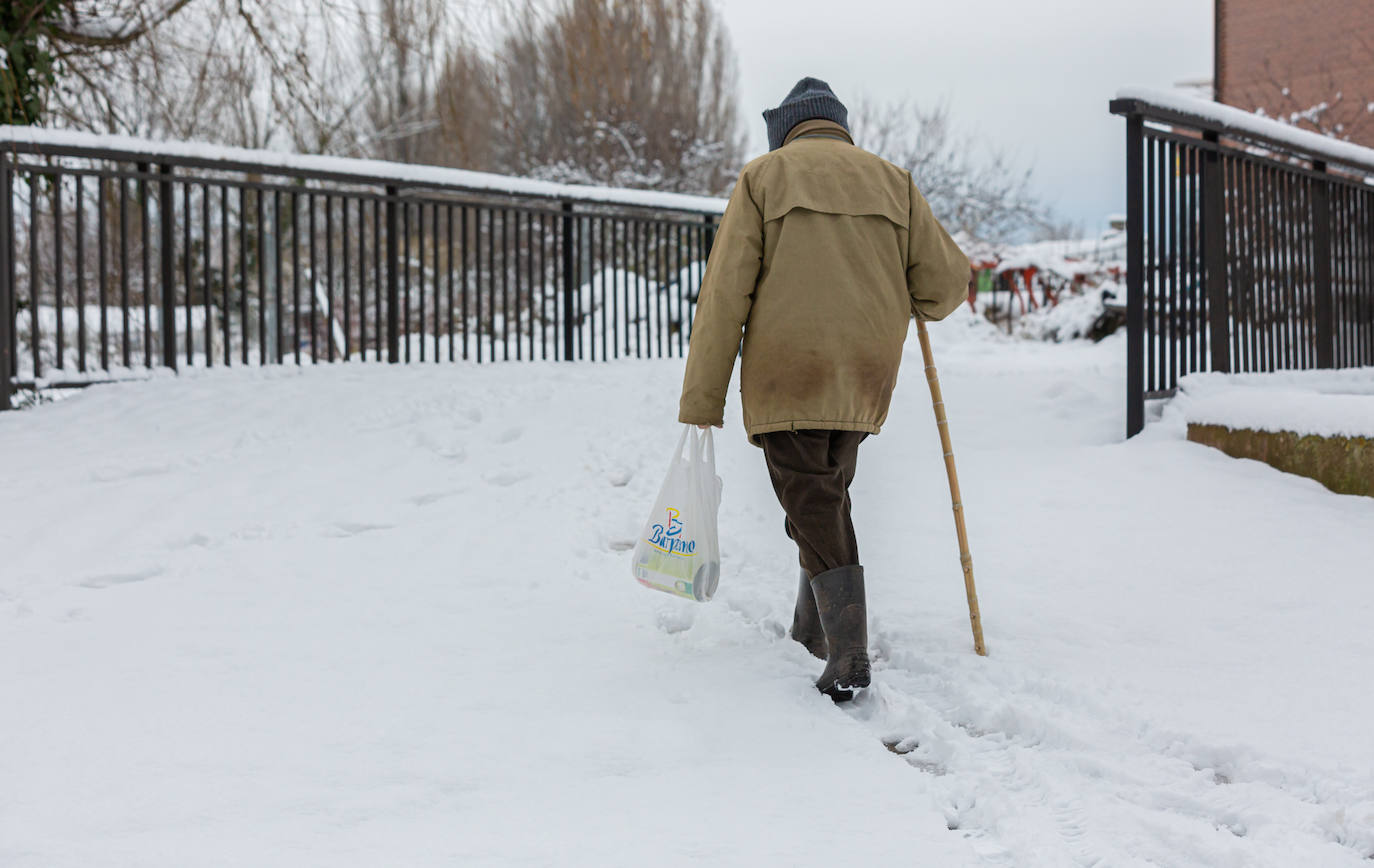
(972, 189)
(1324, 108)
(116, 32)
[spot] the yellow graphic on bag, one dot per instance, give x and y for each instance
(667, 538)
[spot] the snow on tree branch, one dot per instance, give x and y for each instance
(115, 28)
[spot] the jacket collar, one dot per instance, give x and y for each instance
(819, 127)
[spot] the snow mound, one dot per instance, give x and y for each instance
(1334, 403)
(1074, 317)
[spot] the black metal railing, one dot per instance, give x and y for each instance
(1247, 250)
(115, 260)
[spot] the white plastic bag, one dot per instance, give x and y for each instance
(679, 549)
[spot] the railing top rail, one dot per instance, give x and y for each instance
(201, 155)
(1185, 111)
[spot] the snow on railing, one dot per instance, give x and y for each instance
(208, 156)
(1238, 123)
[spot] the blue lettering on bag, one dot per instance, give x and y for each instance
(669, 539)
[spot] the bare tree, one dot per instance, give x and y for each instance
(627, 92)
(1335, 112)
(399, 44)
(972, 189)
(40, 37)
(256, 73)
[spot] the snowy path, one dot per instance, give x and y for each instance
(378, 616)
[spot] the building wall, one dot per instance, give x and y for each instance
(1315, 48)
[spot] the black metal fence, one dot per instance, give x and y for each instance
(1245, 253)
(118, 260)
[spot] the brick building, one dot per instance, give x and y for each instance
(1288, 57)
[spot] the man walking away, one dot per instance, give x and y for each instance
(824, 254)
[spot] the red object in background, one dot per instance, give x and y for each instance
(1015, 288)
(1029, 274)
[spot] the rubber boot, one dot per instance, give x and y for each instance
(839, 597)
(806, 621)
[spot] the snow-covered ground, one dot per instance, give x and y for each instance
(371, 615)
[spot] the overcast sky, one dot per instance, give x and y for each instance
(1031, 78)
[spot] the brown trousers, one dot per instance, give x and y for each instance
(811, 472)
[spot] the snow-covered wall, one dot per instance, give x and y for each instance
(1327, 403)
(376, 171)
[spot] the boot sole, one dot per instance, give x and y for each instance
(846, 689)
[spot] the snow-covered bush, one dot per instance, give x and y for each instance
(1053, 290)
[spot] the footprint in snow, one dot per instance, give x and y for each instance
(113, 474)
(353, 528)
(773, 627)
(434, 497)
(109, 580)
(672, 621)
(505, 478)
(453, 452)
(510, 435)
(195, 540)
(441, 447)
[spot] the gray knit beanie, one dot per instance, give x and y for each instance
(811, 98)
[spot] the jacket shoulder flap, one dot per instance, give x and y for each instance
(833, 179)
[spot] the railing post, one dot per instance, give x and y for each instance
(710, 233)
(1135, 275)
(393, 280)
(1214, 255)
(166, 210)
(569, 287)
(1321, 242)
(7, 324)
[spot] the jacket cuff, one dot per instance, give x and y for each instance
(687, 419)
(697, 416)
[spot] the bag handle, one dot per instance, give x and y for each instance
(681, 445)
(710, 450)
(703, 447)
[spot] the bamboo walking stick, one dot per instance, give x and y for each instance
(933, 378)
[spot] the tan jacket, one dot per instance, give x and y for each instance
(824, 254)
